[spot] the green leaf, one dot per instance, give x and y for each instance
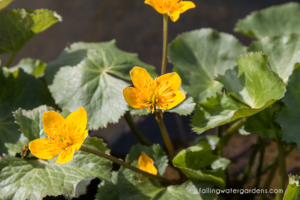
(134, 186)
(242, 130)
(251, 87)
(18, 26)
(188, 162)
(4, 3)
(199, 56)
(209, 139)
(272, 21)
(263, 123)
(292, 192)
(31, 121)
(220, 163)
(34, 179)
(18, 90)
(284, 52)
(288, 117)
(110, 60)
(108, 190)
(30, 66)
(85, 79)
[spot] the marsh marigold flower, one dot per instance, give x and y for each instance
(65, 136)
(146, 164)
(163, 92)
(173, 8)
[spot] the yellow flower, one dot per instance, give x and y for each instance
(65, 136)
(173, 8)
(146, 164)
(163, 92)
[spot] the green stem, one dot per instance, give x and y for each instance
(268, 182)
(165, 45)
(223, 141)
(261, 159)
(281, 171)
(250, 163)
(273, 162)
(164, 133)
(124, 164)
(11, 59)
(141, 138)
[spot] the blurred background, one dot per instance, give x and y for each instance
(137, 27)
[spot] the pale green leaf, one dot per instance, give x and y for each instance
(84, 80)
(292, 192)
(18, 90)
(4, 3)
(288, 117)
(251, 87)
(34, 179)
(18, 26)
(199, 56)
(273, 21)
(284, 53)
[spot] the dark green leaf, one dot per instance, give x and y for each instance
(136, 186)
(273, 21)
(18, 26)
(18, 90)
(263, 123)
(199, 56)
(288, 117)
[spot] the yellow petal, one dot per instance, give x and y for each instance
(180, 96)
(174, 15)
(146, 164)
(66, 155)
(79, 142)
(79, 119)
(185, 5)
(51, 119)
(131, 96)
(173, 79)
(155, 6)
(44, 148)
(140, 78)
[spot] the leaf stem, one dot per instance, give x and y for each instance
(250, 163)
(261, 159)
(281, 171)
(165, 45)
(268, 181)
(11, 59)
(124, 164)
(232, 129)
(164, 133)
(141, 138)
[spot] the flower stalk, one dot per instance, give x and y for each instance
(11, 59)
(164, 133)
(138, 134)
(124, 164)
(165, 44)
(281, 171)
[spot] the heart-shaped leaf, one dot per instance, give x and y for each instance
(199, 56)
(251, 87)
(273, 21)
(35, 179)
(86, 80)
(284, 53)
